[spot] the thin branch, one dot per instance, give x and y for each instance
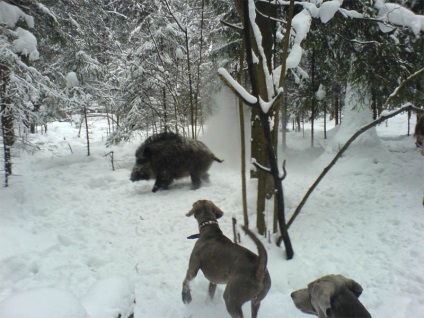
(402, 84)
(232, 26)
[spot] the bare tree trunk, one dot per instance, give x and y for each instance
(199, 64)
(314, 99)
(325, 121)
(7, 125)
(165, 111)
(86, 129)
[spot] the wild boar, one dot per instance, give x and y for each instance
(168, 156)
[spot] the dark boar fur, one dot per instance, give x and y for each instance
(168, 156)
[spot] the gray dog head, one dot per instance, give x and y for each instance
(331, 296)
(205, 210)
(302, 300)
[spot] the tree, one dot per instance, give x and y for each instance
(167, 64)
(261, 82)
(24, 90)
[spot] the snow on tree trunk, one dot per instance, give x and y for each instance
(357, 114)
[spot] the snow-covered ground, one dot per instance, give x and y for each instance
(68, 221)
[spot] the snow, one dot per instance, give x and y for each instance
(10, 15)
(328, 9)
(356, 115)
(351, 13)
(179, 54)
(109, 297)
(320, 94)
(42, 303)
(72, 227)
(294, 58)
(397, 15)
(301, 24)
(26, 44)
(239, 88)
(71, 80)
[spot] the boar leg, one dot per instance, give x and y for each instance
(195, 181)
(161, 183)
(205, 177)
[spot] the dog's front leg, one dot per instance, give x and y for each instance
(211, 290)
(193, 268)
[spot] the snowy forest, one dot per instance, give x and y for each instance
(279, 90)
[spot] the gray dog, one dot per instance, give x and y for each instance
(223, 262)
(331, 296)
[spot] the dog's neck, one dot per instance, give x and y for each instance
(202, 225)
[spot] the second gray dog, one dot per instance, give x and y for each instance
(223, 262)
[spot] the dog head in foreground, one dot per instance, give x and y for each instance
(204, 211)
(331, 296)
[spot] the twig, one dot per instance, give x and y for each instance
(111, 159)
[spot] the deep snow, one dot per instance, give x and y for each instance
(68, 220)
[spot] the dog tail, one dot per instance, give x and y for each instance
(263, 256)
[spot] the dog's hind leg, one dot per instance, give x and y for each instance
(255, 307)
(211, 290)
(233, 305)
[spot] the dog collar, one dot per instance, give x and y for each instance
(206, 224)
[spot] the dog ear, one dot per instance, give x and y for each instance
(191, 212)
(217, 211)
(321, 292)
(354, 287)
(194, 208)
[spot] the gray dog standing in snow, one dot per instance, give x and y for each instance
(223, 262)
(331, 296)
(168, 156)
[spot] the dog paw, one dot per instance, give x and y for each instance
(186, 298)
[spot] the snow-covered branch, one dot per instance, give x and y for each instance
(236, 88)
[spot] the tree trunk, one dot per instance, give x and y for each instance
(325, 121)
(86, 130)
(314, 99)
(259, 89)
(8, 131)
